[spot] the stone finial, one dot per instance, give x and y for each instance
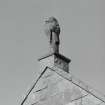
(52, 30)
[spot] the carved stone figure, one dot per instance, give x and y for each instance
(52, 30)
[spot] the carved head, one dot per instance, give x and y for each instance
(52, 25)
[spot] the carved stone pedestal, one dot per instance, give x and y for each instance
(55, 59)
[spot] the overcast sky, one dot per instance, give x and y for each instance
(22, 41)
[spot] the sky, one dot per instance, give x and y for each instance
(22, 42)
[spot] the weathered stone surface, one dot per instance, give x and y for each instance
(54, 89)
(56, 60)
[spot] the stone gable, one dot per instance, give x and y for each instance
(56, 87)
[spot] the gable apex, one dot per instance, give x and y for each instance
(66, 77)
